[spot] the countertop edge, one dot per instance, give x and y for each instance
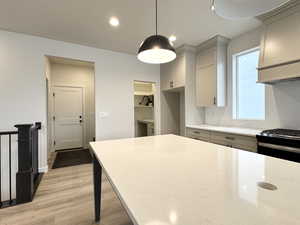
(229, 130)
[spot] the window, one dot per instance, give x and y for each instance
(248, 96)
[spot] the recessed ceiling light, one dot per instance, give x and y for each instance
(172, 38)
(114, 21)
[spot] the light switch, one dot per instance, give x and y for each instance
(103, 114)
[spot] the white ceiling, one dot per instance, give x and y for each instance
(86, 21)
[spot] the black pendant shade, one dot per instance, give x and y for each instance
(156, 49)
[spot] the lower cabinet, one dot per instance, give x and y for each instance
(202, 135)
(247, 143)
(221, 138)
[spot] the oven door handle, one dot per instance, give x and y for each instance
(279, 147)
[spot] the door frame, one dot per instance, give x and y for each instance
(83, 113)
(156, 113)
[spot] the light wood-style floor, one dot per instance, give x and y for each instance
(65, 197)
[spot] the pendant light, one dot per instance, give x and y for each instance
(156, 49)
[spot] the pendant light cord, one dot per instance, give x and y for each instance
(156, 15)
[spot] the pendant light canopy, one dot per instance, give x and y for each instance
(156, 49)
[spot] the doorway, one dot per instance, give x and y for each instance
(144, 108)
(71, 104)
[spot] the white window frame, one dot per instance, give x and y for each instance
(235, 95)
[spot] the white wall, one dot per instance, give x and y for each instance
(78, 76)
(23, 85)
(282, 100)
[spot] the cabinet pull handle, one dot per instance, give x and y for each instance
(196, 132)
(171, 84)
(215, 100)
(230, 138)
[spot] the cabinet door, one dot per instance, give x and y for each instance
(245, 143)
(207, 57)
(222, 138)
(178, 72)
(173, 74)
(206, 86)
(198, 134)
(166, 76)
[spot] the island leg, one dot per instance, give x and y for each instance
(97, 187)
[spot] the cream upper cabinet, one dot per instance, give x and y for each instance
(280, 48)
(211, 72)
(173, 73)
(206, 88)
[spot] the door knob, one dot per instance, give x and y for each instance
(80, 121)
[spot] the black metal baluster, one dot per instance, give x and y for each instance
(32, 150)
(38, 126)
(9, 139)
(0, 175)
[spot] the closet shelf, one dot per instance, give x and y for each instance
(143, 106)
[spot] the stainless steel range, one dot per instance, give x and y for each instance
(280, 143)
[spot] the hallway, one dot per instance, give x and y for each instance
(65, 197)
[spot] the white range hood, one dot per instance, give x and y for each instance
(280, 45)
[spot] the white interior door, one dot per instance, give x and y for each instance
(68, 117)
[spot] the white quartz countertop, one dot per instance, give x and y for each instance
(173, 180)
(232, 130)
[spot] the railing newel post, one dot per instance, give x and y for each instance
(27, 176)
(24, 177)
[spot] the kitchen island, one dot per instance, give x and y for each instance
(169, 179)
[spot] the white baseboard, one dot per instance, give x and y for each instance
(43, 169)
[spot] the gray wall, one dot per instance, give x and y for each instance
(23, 85)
